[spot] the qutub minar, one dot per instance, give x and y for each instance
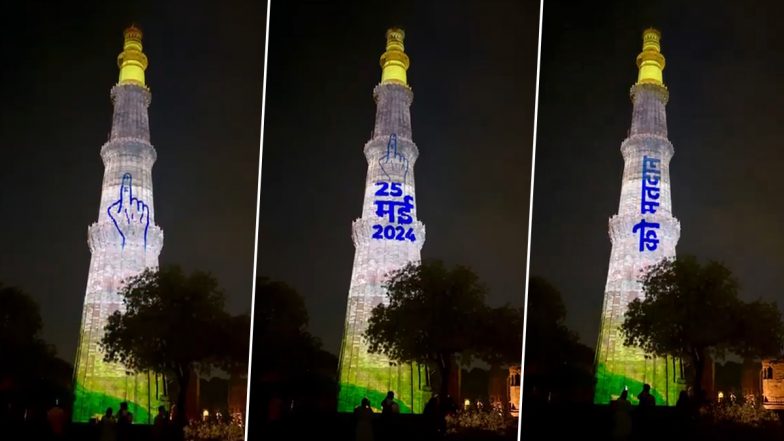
(642, 233)
(387, 237)
(123, 242)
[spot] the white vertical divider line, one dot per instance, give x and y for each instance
(258, 208)
(530, 219)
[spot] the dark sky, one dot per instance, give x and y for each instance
(473, 71)
(205, 74)
(724, 72)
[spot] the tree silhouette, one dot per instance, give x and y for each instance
(499, 335)
(30, 372)
(288, 362)
(692, 311)
(434, 314)
(174, 324)
(280, 335)
(555, 361)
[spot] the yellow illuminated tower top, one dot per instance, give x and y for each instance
(650, 61)
(132, 61)
(394, 61)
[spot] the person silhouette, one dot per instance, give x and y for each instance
(160, 424)
(56, 420)
(108, 426)
(645, 397)
(644, 412)
(124, 421)
(389, 406)
(432, 413)
(622, 419)
(363, 416)
(389, 413)
(684, 411)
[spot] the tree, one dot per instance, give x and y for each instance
(20, 318)
(172, 323)
(20, 338)
(280, 338)
(546, 332)
(499, 335)
(30, 374)
(235, 343)
(288, 362)
(279, 307)
(433, 315)
(555, 360)
(20, 328)
(692, 311)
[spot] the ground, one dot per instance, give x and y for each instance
(664, 423)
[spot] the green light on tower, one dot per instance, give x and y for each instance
(646, 153)
(386, 238)
(123, 242)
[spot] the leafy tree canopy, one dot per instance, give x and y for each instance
(281, 339)
(20, 329)
(20, 318)
(556, 363)
(175, 323)
(436, 314)
(31, 373)
(693, 311)
(169, 323)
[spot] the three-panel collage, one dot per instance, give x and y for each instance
(408, 220)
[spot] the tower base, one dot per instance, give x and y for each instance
(143, 393)
(408, 381)
(662, 374)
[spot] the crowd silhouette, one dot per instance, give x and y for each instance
(389, 426)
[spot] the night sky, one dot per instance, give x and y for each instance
(724, 73)
(473, 73)
(205, 74)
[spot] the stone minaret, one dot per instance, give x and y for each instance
(123, 242)
(642, 233)
(386, 238)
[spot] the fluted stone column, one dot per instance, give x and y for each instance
(123, 242)
(386, 238)
(642, 233)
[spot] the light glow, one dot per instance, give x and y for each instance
(386, 238)
(637, 243)
(123, 242)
